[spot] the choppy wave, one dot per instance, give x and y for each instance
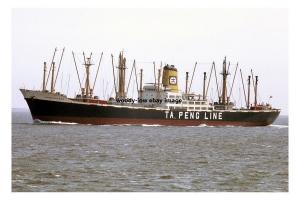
(70, 158)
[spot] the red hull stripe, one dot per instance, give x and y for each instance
(166, 122)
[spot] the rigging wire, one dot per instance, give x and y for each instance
(62, 54)
(192, 77)
(233, 79)
(55, 50)
(243, 86)
(216, 79)
(136, 79)
(97, 70)
(129, 78)
(77, 71)
(209, 80)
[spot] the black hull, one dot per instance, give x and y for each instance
(47, 110)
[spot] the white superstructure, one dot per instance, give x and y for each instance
(173, 100)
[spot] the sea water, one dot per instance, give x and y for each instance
(71, 157)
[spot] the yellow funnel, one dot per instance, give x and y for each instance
(169, 79)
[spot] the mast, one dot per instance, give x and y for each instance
(141, 84)
(113, 68)
(248, 100)
(255, 89)
(204, 83)
(154, 70)
(186, 82)
(120, 76)
(87, 64)
(224, 74)
(158, 80)
(158, 84)
(44, 76)
(52, 78)
(122, 67)
(159, 76)
(88, 76)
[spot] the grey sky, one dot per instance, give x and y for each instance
(256, 38)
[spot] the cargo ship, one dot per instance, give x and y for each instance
(158, 103)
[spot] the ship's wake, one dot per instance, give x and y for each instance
(145, 125)
(278, 126)
(202, 126)
(152, 125)
(37, 121)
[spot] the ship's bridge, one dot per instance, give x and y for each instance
(165, 98)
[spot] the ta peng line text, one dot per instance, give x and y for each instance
(194, 115)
